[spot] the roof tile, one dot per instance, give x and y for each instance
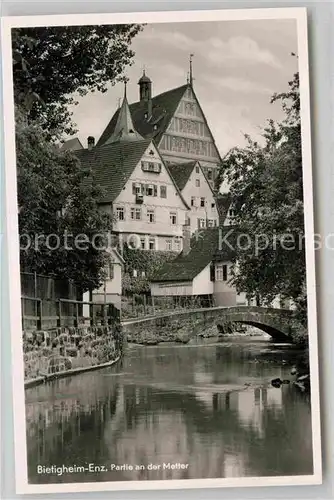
(163, 108)
(181, 172)
(207, 245)
(113, 164)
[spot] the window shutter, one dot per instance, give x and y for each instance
(133, 188)
(155, 190)
(143, 190)
(212, 272)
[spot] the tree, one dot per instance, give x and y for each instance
(50, 64)
(62, 230)
(145, 263)
(267, 192)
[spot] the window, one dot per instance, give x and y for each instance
(150, 215)
(149, 190)
(120, 213)
(231, 213)
(213, 205)
(221, 272)
(136, 188)
(151, 244)
(187, 221)
(198, 183)
(172, 217)
(177, 245)
(151, 166)
(209, 174)
(135, 213)
(143, 243)
(168, 245)
(197, 169)
(201, 223)
(110, 270)
(192, 202)
(163, 191)
(211, 223)
(202, 202)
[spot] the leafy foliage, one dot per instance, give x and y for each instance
(267, 192)
(144, 262)
(57, 202)
(51, 64)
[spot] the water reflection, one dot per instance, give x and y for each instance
(211, 407)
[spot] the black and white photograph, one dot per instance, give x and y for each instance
(160, 207)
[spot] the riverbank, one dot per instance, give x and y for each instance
(68, 373)
(69, 350)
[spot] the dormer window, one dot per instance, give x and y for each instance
(151, 166)
(155, 127)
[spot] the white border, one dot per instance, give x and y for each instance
(12, 240)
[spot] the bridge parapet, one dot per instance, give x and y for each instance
(281, 324)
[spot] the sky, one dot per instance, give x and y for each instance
(237, 66)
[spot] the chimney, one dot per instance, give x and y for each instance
(90, 142)
(186, 234)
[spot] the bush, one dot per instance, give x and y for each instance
(72, 351)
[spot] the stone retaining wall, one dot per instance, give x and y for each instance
(67, 348)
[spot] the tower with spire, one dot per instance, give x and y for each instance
(145, 87)
(124, 130)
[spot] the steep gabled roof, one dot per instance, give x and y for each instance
(223, 202)
(124, 129)
(113, 164)
(207, 245)
(181, 172)
(71, 145)
(187, 267)
(163, 108)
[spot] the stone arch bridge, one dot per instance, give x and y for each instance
(280, 324)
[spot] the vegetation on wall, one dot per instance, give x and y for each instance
(145, 264)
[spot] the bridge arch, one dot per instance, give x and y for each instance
(280, 324)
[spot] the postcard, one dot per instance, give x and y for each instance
(161, 250)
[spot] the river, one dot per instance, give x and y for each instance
(173, 412)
